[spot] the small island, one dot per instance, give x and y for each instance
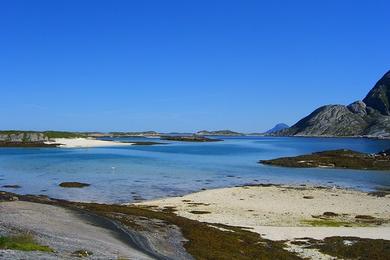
(219, 132)
(191, 138)
(345, 159)
(73, 184)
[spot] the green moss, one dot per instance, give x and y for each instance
(23, 242)
(204, 241)
(353, 247)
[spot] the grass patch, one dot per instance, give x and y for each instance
(326, 223)
(62, 134)
(23, 242)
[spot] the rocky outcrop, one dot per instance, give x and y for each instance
(379, 97)
(370, 117)
(14, 136)
(345, 159)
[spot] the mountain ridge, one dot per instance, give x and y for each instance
(367, 118)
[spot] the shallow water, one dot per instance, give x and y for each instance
(120, 174)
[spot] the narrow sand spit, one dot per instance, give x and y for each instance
(63, 230)
(288, 212)
(85, 143)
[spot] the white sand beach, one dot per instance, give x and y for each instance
(85, 143)
(288, 212)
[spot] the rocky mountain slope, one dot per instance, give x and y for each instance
(370, 117)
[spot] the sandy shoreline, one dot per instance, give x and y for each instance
(85, 143)
(281, 214)
(288, 212)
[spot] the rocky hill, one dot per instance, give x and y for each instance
(369, 118)
(21, 136)
(15, 138)
(277, 127)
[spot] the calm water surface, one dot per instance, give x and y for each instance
(119, 174)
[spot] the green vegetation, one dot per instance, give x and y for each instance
(327, 223)
(23, 242)
(10, 132)
(62, 134)
(345, 159)
(204, 240)
(73, 184)
(353, 247)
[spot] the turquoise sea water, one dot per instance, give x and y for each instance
(120, 174)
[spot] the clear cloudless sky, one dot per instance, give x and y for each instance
(185, 65)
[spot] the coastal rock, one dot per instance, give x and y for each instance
(370, 117)
(73, 184)
(345, 159)
(11, 136)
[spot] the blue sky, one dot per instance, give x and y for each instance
(184, 65)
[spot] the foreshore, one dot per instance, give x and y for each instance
(285, 212)
(264, 221)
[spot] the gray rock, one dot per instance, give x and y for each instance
(358, 107)
(370, 117)
(23, 137)
(379, 97)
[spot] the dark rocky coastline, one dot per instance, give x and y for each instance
(345, 159)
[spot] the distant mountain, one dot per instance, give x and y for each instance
(219, 132)
(277, 128)
(370, 117)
